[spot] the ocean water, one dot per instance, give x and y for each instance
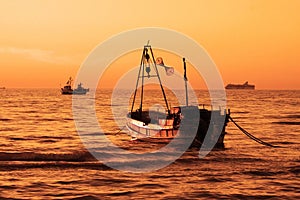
(43, 157)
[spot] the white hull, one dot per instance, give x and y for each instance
(139, 130)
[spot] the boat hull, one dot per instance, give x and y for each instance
(164, 133)
(139, 130)
(66, 92)
(80, 92)
(76, 92)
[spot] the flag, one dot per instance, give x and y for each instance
(159, 61)
(169, 70)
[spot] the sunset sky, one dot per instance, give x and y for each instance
(42, 43)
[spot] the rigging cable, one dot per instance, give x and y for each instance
(252, 136)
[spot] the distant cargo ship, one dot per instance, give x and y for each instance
(240, 86)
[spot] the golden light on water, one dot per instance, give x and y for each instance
(42, 43)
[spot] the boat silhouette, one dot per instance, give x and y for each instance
(68, 90)
(240, 86)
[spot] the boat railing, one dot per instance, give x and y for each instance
(221, 109)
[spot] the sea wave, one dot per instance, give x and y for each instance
(33, 156)
(287, 123)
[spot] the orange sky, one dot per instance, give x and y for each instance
(42, 43)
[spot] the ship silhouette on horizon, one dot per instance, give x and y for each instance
(240, 86)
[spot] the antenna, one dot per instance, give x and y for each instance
(185, 83)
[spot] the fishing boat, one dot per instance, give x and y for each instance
(166, 126)
(245, 86)
(67, 89)
(80, 89)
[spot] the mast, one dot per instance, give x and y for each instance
(143, 76)
(137, 81)
(185, 83)
(162, 88)
(69, 82)
(145, 65)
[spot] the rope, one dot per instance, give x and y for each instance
(252, 136)
(120, 130)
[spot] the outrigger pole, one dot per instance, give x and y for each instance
(185, 82)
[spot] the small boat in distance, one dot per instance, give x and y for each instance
(67, 89)
(80, 89)
(244, 86)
